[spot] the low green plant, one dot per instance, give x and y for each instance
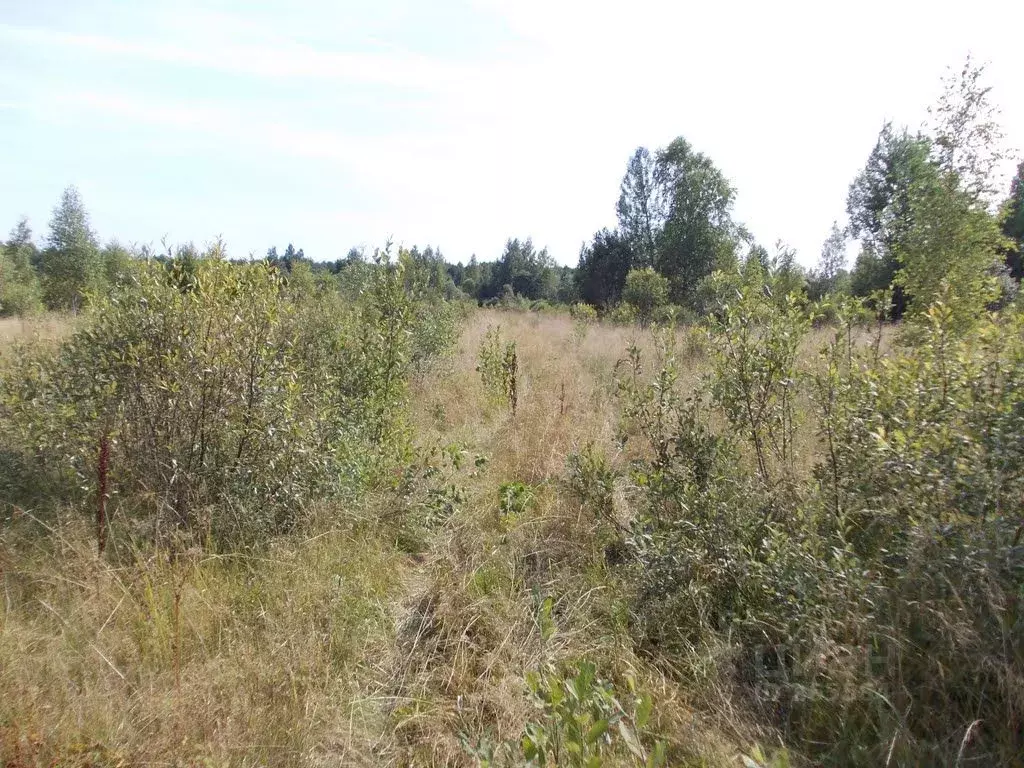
(515, 499)
(498, 366)
(582, 721)
(583, 316)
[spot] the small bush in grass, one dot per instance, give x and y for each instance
(582, 721)
(623, 314)
(583, 316)
(498, 366)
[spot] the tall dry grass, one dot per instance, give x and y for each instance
(50, 326)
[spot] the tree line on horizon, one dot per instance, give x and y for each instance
(924, 209)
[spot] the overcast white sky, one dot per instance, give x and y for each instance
(460, 123)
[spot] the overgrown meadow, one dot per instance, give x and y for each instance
(250, 525)
(683, 505)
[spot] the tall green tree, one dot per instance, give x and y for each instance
(526, 270)
(699, 234)
(641, 207)
(953, 246)
(967, 139)
(952, 250)
(602, 269)
(829, 274)
(879, 205)
(70, 266)
(117, 262)
(19, 284)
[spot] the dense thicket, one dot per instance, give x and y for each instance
(866, 609)
(223, 398)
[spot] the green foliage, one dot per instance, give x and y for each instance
(698, 235)
(1013, 225)
(641, 207)
(622, 314)
(646, 291)
(229, 404)
(951, 249)
(435, 329)
(756, 339)
(582, 722)
(876, 597)
(70, 266)
(591, 480)
(444, 494)
(759, 758)
(966, 136)
(20, 293)
(514, 499)
(602, 269)
(498, 366)
(921, 207)
(521, 272)
(583, 316)
(117, 263)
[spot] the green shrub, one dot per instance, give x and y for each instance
(583, 721)
(226, 403)
(583, 313)
(868, 610)
(623, 314)
(583, 316)
(756, 339)
(646, 291)
(20, 293)
(514, 499)
(498, 366)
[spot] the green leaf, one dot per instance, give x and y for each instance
(597, 730)
(644, 706)
(658, 757)
(529, 748)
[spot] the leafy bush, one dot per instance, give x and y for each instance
(756, 341)
(583, 316)
(623, 314)
(225, 404)
(434, 332)
(498, 366)
(869, 610)
(584, 313)
(514, 499)
(20, 293)
(583, 722)
(646, 291)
